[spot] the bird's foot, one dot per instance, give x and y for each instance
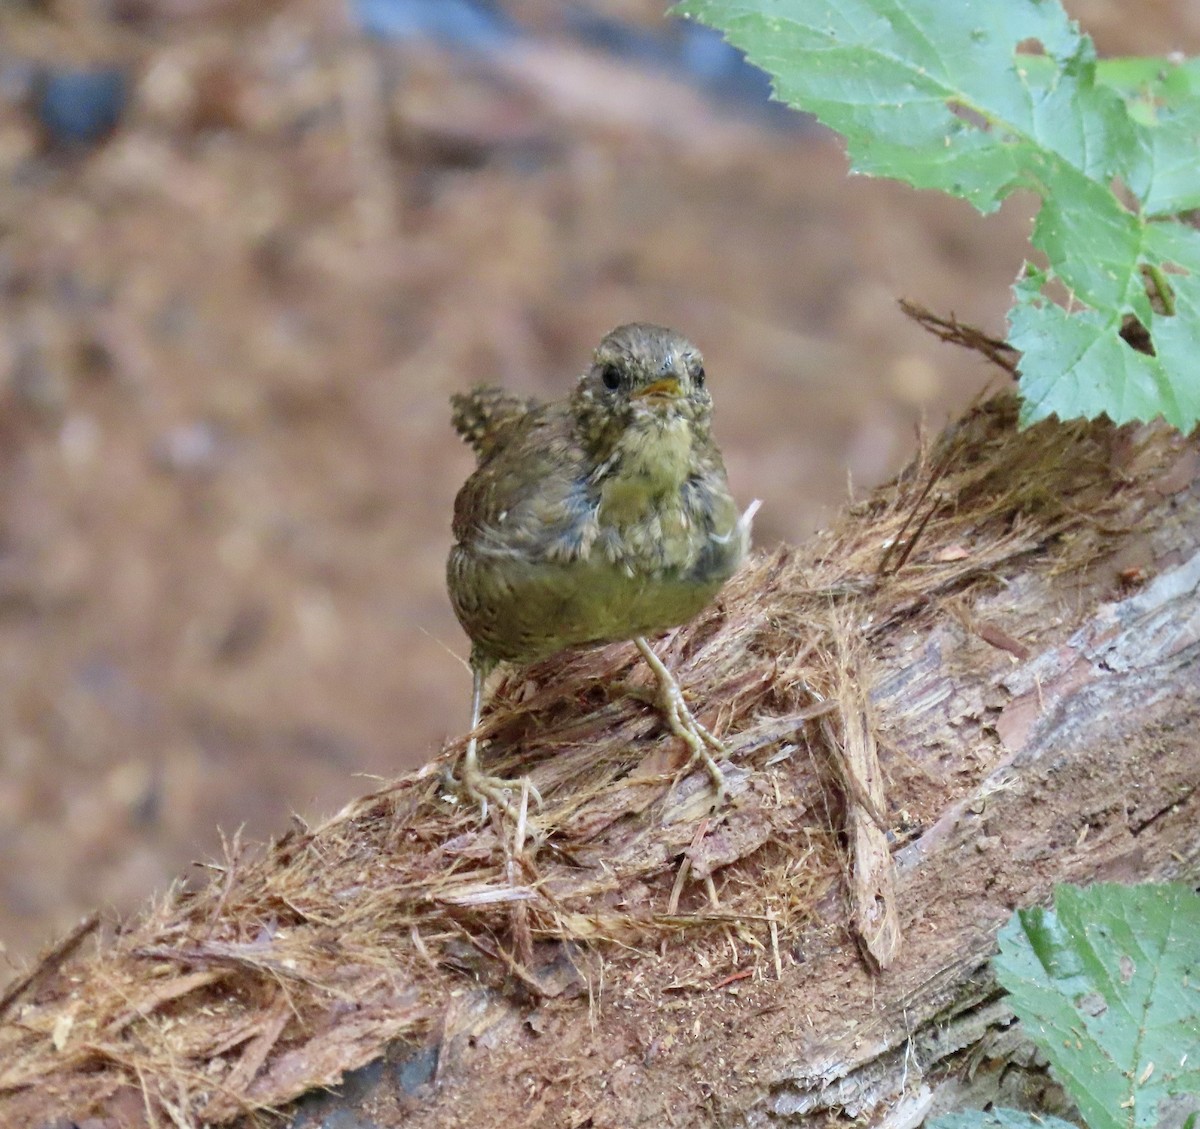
(680, 720)
(698, 739)
(485, 789)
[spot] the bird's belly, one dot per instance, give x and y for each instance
(521, 611)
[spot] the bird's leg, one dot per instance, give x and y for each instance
(683, 724)
(478, 784)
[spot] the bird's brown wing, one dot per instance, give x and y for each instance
(528, 498)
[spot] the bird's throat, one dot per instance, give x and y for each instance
(646, 471)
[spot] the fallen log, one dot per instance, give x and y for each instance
(982, 681)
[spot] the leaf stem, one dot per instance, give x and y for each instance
(1162, 288)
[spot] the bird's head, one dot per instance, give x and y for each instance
(643, 377)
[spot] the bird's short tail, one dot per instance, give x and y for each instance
(483, 414)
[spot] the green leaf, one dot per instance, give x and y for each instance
(978, 99)
(1108, 986)
(1164, 98)
(999, 1118)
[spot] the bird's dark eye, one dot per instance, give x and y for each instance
(699, 378)
(611, 375)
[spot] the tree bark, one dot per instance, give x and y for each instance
(985, 681)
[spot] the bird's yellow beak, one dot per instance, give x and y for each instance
(667, 388)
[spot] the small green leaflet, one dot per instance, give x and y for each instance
(980, 99)
(1108, 985)
(999, 1118)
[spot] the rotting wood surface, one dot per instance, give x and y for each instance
(1032, 668)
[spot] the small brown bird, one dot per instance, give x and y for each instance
(601, 517)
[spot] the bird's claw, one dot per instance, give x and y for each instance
(485, 789)
(683, 723)
(699, 739)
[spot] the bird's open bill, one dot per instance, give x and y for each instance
(667, 387)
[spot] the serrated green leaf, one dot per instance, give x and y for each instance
(979, 98)
(1108, 985)
(1163, 97)
(999, 1118)
(1166, 180)
(1085, 367)
(937, 94)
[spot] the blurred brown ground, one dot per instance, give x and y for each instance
(227, 338)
